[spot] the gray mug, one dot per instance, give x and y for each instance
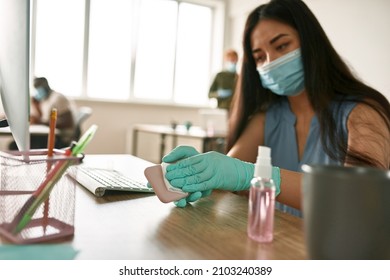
(346, 212)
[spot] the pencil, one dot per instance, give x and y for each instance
(50, 151)
(52, 136)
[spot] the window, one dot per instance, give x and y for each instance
(109, 51)
(59, 39)
(155, 54)
(146, 50)
(193, 54)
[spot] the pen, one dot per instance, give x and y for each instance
(84, 140)
(51, 137)
(27, 211)
(50, 148)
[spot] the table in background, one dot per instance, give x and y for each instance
(35, 129)
(210, 140)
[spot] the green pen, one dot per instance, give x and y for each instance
(84, 140)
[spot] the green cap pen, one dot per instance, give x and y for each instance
(84, 140)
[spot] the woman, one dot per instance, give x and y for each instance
(297, 96)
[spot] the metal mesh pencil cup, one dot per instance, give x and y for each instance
(20, 175)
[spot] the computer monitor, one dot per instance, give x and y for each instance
(14, 68)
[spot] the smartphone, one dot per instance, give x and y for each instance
(165, 193)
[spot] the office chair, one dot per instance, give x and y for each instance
(82, 114)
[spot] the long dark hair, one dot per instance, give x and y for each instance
(327, 78)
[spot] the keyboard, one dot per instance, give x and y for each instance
(98, 181)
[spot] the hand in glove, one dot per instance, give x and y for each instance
(195, 172)
(179, 153)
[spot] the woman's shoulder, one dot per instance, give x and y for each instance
(364, 119)
(365, 112)
(257, 119)
(369, 133)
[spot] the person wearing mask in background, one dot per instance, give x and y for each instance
(297, 96)
(43, 101)
(224, 83)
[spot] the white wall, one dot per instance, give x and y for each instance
(358, 29)
(115, 122)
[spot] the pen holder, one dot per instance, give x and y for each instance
(21, 175)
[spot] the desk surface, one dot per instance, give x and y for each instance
(139, 226)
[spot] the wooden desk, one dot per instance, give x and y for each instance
(139, 226)
(209, 140)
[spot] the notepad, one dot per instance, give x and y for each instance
(37, 252)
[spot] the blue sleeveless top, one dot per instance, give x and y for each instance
(280, 136)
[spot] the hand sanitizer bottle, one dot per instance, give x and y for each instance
(262, 199)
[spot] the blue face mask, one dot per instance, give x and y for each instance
(284, 76)
(40, 94)
(231, 67)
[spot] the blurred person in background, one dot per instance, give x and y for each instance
(43, 100)
(224, 83)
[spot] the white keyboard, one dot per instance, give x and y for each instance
(98, 180)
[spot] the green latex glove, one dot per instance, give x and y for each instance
(190, 198)
(195, 172)
(180, 153)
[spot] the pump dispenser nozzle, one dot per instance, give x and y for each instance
(263, 167)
